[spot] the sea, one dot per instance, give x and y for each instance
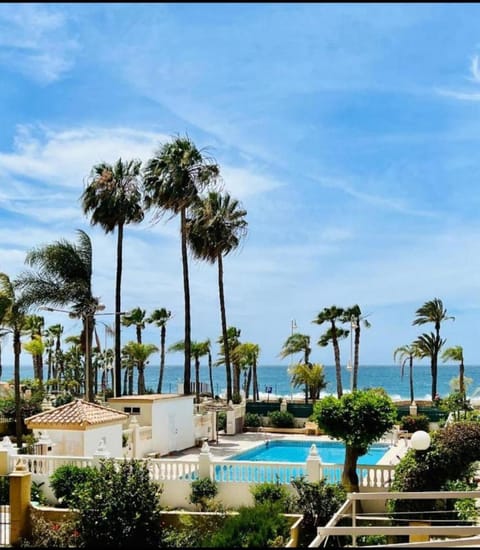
(275, 381)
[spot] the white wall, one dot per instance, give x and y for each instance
(112, 435)
(172, 424)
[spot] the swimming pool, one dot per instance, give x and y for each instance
(297, 451)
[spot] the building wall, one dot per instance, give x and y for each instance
(173, 424)
(113, 439)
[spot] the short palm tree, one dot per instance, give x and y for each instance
(246, 355)
(160, 317)
(215, 229)
(354, 316)
(137, 355)
(332, 315)
(63, 277)
(434, 312)
(12, 319)
(404, 354)
(199, 349)
(455, 353)
(113, 197)
(298, 343)
(173, 179)
(312, 376)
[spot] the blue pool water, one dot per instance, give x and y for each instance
(297, 451)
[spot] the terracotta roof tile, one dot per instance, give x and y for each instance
(78, 413)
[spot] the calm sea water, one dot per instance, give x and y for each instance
(277, 379)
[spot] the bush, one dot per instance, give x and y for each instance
(204, 490)
(221, 420)
(66, 479)
(414, 423)
(120, 507)
(281, 419)
(51, 534)
(253, 420)
(236, 398)
(260, 526)
(271, 492)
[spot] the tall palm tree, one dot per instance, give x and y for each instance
(12, 319)
(215, 229)
(63, 277)
(113, 197)
(298, 343)
(332, 315)
(160, 317)
(232, 340)
(429, 346)
(455, 353)
(34, 326)
(433, 311)
(353, 315)
(173, 179)
(404, 354)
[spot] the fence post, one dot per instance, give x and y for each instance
(204, 461)
(314, 465)
(20, 486)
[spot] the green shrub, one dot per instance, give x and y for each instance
(221, 420)
(270, 492)
(52, 534)
(260, 526)
(414, 423)
(66, 479)
(253, 420)
(204, 490)
(281, 419)
(120, 507)
(236, 398)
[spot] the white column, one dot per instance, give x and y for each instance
(314, 465)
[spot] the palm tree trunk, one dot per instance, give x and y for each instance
(197, 379)
(226, 349)
(141, 379)
(17, 348)
(412, 398)
(186, 289)
(356, 346)
(461, 378)
(210, 372)
(162, 359)
(338, 368)
(118, 297)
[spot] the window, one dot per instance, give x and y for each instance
(131, 410)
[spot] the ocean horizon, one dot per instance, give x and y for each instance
(274, 380)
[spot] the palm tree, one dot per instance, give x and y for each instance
(310, 375)
(455, 353)
(173, 179)
(199, 349)
(404, 354)
(433, 311)
(137, 318)
(137, 355)
(160, 317)
(114, 199)
(64, 277)
(12, 319)
(215, 229)
(246, 355)
(298, 343)
(429, 346)
(333, 315)
(34, 326)
(232, 340)
(354, 316)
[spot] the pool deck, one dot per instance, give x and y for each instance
(229, 445)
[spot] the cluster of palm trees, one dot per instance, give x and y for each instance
(429, 345)
(179, 179)
(312, 375)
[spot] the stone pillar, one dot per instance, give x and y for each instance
(20, 486)
(135, 438)
(204, 461)
(4, 462)
(413, 409)
(283, 405)
(230, 427)
(314, 465)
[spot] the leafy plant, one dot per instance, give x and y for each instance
(252, 420)
(67, 479)
(281, 419)
(204, 490)
(414, 423)
(271, 492)
(52, 534)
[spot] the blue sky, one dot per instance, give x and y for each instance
(349, 132)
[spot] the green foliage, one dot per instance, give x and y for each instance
(204, 490)
(414, 423)
(260, 526)
(252, 420)
(236, 398)
(4, 489)
(222, 420)
(317, 501)
(119, 507)
(457, 404)
(36, 493)
(190, 530)
(66, 479)
(281, 419)
(358, 418)
(52, 534)
(270, 492)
